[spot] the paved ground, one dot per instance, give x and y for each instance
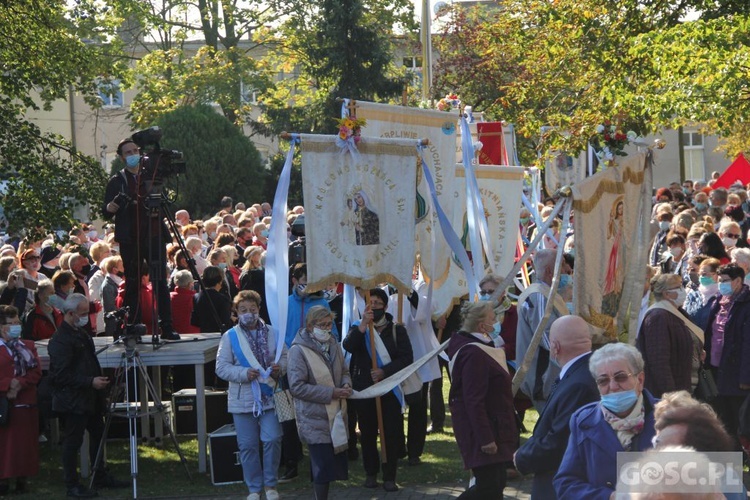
(516, 489)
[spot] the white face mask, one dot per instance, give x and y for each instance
(729, 242)
(676, 252)
(82, 321)
(321, 335)
(681, 296)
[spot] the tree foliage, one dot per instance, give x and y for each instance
(221, 161)
(334, 49)
(44, 58)
(569, 65)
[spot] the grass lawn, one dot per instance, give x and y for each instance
(162, 475)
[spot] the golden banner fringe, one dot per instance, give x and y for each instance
(364, 147)
(607, 186)
(366, 284)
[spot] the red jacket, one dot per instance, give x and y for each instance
(38, 326)
(182, 308)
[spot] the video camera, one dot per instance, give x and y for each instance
(158, 163)
(297, 248)
(130, 334)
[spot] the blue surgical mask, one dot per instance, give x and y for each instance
(222, 265)
(264, 233)
(706, 280)
(725, 288)
(14, 332)
(664, 225)
(700, 206)
(82, 321)
(132, 161)
(485, 298)
(565, 280)
(619, 402)
(496, 329)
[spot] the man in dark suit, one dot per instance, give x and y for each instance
(570, 348)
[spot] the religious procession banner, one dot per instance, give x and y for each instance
(399, 122)
(359, 211)
(564, 170)
(612, 210)
(500, 188)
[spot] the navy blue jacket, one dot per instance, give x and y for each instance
(734, 368)
(589, 466)
(543, 452)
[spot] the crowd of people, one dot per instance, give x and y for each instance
(691, 357)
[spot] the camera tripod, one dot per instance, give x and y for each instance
(130, 365)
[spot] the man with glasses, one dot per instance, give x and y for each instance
(78, 395)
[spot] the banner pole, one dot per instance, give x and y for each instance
(378, 404)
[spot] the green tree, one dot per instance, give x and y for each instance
(334, 49)
(569, 65)
(44, 58)
(220, 159)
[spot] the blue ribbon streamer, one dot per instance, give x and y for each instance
(475, 218)
(277, 256)
(454, 242)
(256, 387)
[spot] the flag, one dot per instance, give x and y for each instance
(359, 211)
(493, 151)
(739, 170)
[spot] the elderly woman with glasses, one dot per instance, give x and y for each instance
(671, 345)
(622, 421)
(320, 383)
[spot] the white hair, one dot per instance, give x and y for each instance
(617, 351)
(73, 301)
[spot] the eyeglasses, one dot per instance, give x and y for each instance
(486, 292)
(733, 236)
(619, 378)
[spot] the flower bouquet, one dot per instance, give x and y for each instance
(610, 141)
(350, 128)
(448, 103)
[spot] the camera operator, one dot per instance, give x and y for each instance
(137, 232)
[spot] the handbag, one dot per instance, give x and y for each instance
(4, 410)
(283, 403)
(706, 389)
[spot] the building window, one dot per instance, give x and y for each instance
(413, 63)
(248, 95)
(692, 147)
(110, 94)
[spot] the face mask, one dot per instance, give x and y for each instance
(664, 225)
(706, 280)
(378, 314)
(321, 335)
(695, 279)
(301, 288)
(676, 252)
(700, 206)
(729, 242)
(92, 235)
(572, 252)
(619, 402)
(121, 274)
(222, 265)
(83, 321)
(681, 296)
(14, 332)
(132, 161)
(212, 235)
(115, 250)
(329, 294)
(485, 298)
(85, 270)
(204, 237)
(725, 288)
(496, 329)
(565, 280)
(248, 319)
(524, 220)
(264, 233)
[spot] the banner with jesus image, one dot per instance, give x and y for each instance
(359, 211)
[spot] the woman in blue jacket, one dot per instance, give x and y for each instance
(622, 421)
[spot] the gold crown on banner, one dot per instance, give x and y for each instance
(354, 190)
